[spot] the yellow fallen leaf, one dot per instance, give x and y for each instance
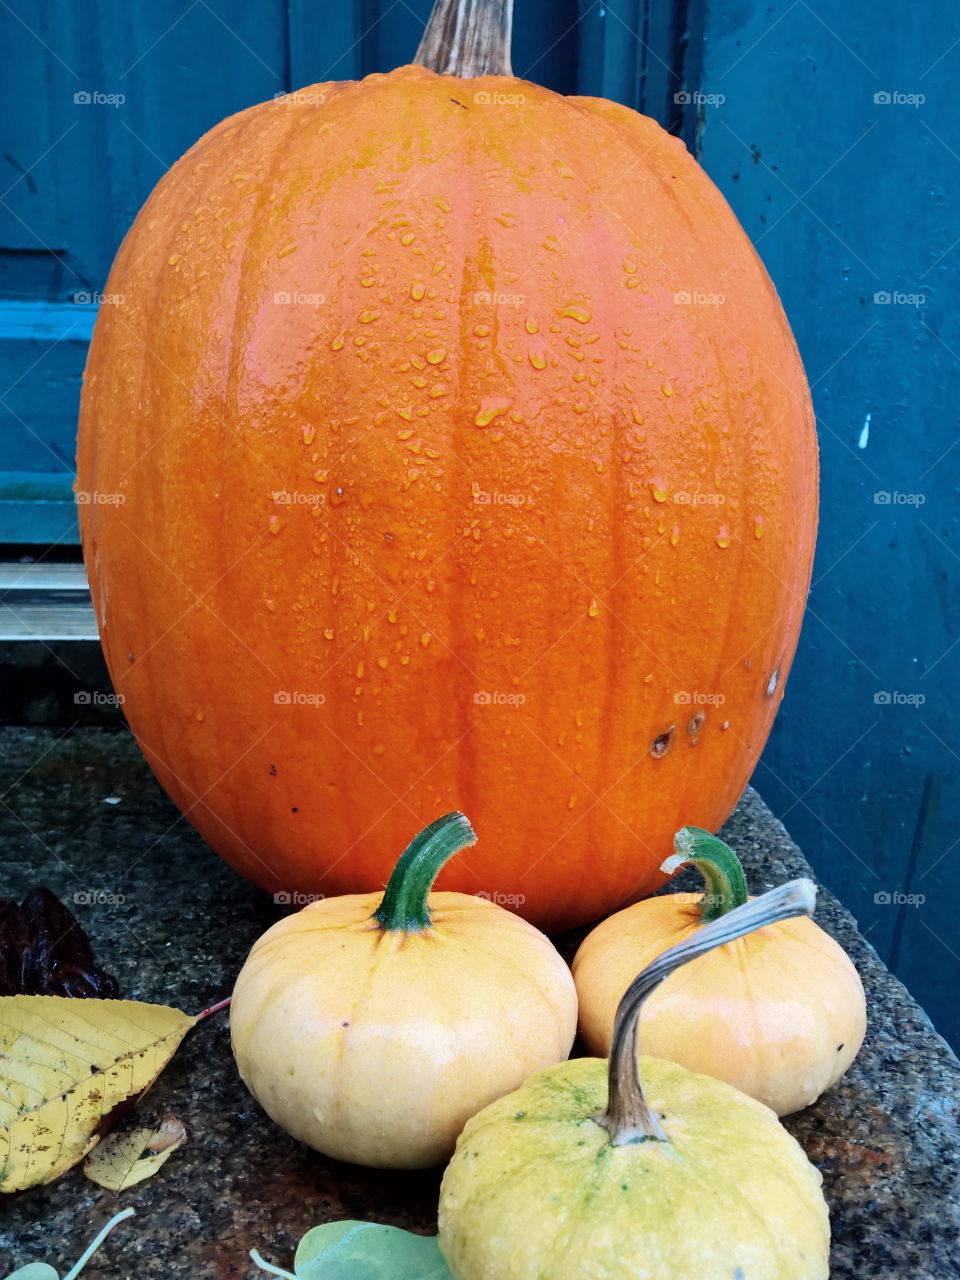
(122, 1160)
(65, 1064)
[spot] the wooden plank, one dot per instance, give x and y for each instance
(45, 600)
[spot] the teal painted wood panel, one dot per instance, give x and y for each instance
(849, 186)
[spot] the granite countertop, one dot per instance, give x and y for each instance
(82, 814)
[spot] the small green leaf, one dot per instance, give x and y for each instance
(368, 1251)
(364, 1251)
(34, 1271)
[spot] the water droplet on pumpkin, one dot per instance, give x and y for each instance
(637, 416)
(199, 715)
(417, 290)
(538, 359)
(490, 409)
(532, 324)
(407, 238)
(772, 683)
(328, 633)
(723, 537)
(173, 259)
(339, 498)
(368, 317)
(437, 356)
(630, 266)
(580, 314)
(658, 489)
(758, 527)
(287, 250)
(562, 169)
(666, 388)
(442, 204)
(593, 609)
(367, 281)
(425, 638)
(273, 524)
(571, 803)
(360, 670)
(674, 535)
(309, 434)
(337, 344)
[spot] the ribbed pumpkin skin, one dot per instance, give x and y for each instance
(595, 592)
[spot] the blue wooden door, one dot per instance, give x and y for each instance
(831, 130)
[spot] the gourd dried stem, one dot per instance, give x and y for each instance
(726, 885)
(629, 1117)
(468, 38)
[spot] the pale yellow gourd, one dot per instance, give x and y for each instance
(582, 1175)
(373, 1026)
(780, 1014)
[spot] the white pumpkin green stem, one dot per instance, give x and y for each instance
(629, 1117)
(468, 38)
(717, 863)
(403, 907)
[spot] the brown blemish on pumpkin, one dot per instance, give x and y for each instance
(696, 723)
(663, 742)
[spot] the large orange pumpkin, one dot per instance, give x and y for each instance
(448, 449)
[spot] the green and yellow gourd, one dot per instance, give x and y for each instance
(581, 1172)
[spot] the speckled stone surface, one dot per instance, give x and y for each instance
(82, 814)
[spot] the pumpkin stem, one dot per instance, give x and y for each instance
(629, 1117)
(717, 863)
(403, 907)
(468, 38)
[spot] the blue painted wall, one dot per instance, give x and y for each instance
(848, 197)
(848, 183)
